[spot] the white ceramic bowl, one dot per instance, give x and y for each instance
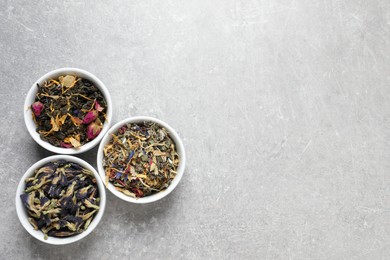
(31, 97)
(22, 212)
(179, 147)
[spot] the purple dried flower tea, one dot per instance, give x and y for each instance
(61, 199)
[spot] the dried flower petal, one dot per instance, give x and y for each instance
(74, 142)
(138, 192)
(54, 125)
(90, 117)
(50, 198)
(67, 81)
(37, 108)
(60, 120)
(65, 145)
(76, 121)
(98, 107)
(94, 130)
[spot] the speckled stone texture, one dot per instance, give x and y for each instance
(283, 107)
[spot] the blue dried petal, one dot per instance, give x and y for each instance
(24, 198)
(63, 212)
(67, 203)
(89, 182)
(73, 209)
(90, 191)
(118, 175)
(126, 177)
(47, 220)
(79, 185)
(73, 219)
(41, 221)
(68, 218)
(57, 192)
(61, 163)
(43, 200)
(131, 155)
(50, 165)
(29, 184)
(75, 166)
(63, 181)
(80, 195)
(52, 191)
(46, 188)
(62, 223)
(41, 175)
(69, 172)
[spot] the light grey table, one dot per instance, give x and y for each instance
(283, 107)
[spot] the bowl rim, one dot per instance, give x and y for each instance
(180, 150)
(22, 214)
(30, 124)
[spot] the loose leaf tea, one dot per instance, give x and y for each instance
(140, 159)
(61, 199)
(68, 111)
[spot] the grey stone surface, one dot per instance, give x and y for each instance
(282, 106)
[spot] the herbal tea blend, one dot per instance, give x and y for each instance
(62, 198)
(68, 111)
(140, 159)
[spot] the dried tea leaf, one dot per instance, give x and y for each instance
(60, 106)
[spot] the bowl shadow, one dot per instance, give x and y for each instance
(88, 156)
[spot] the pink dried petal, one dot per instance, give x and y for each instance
(90, 116)
(65, 145)
(122, 129)
(98, 107)
(37, 108)
(93, 130)
(138, 193)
